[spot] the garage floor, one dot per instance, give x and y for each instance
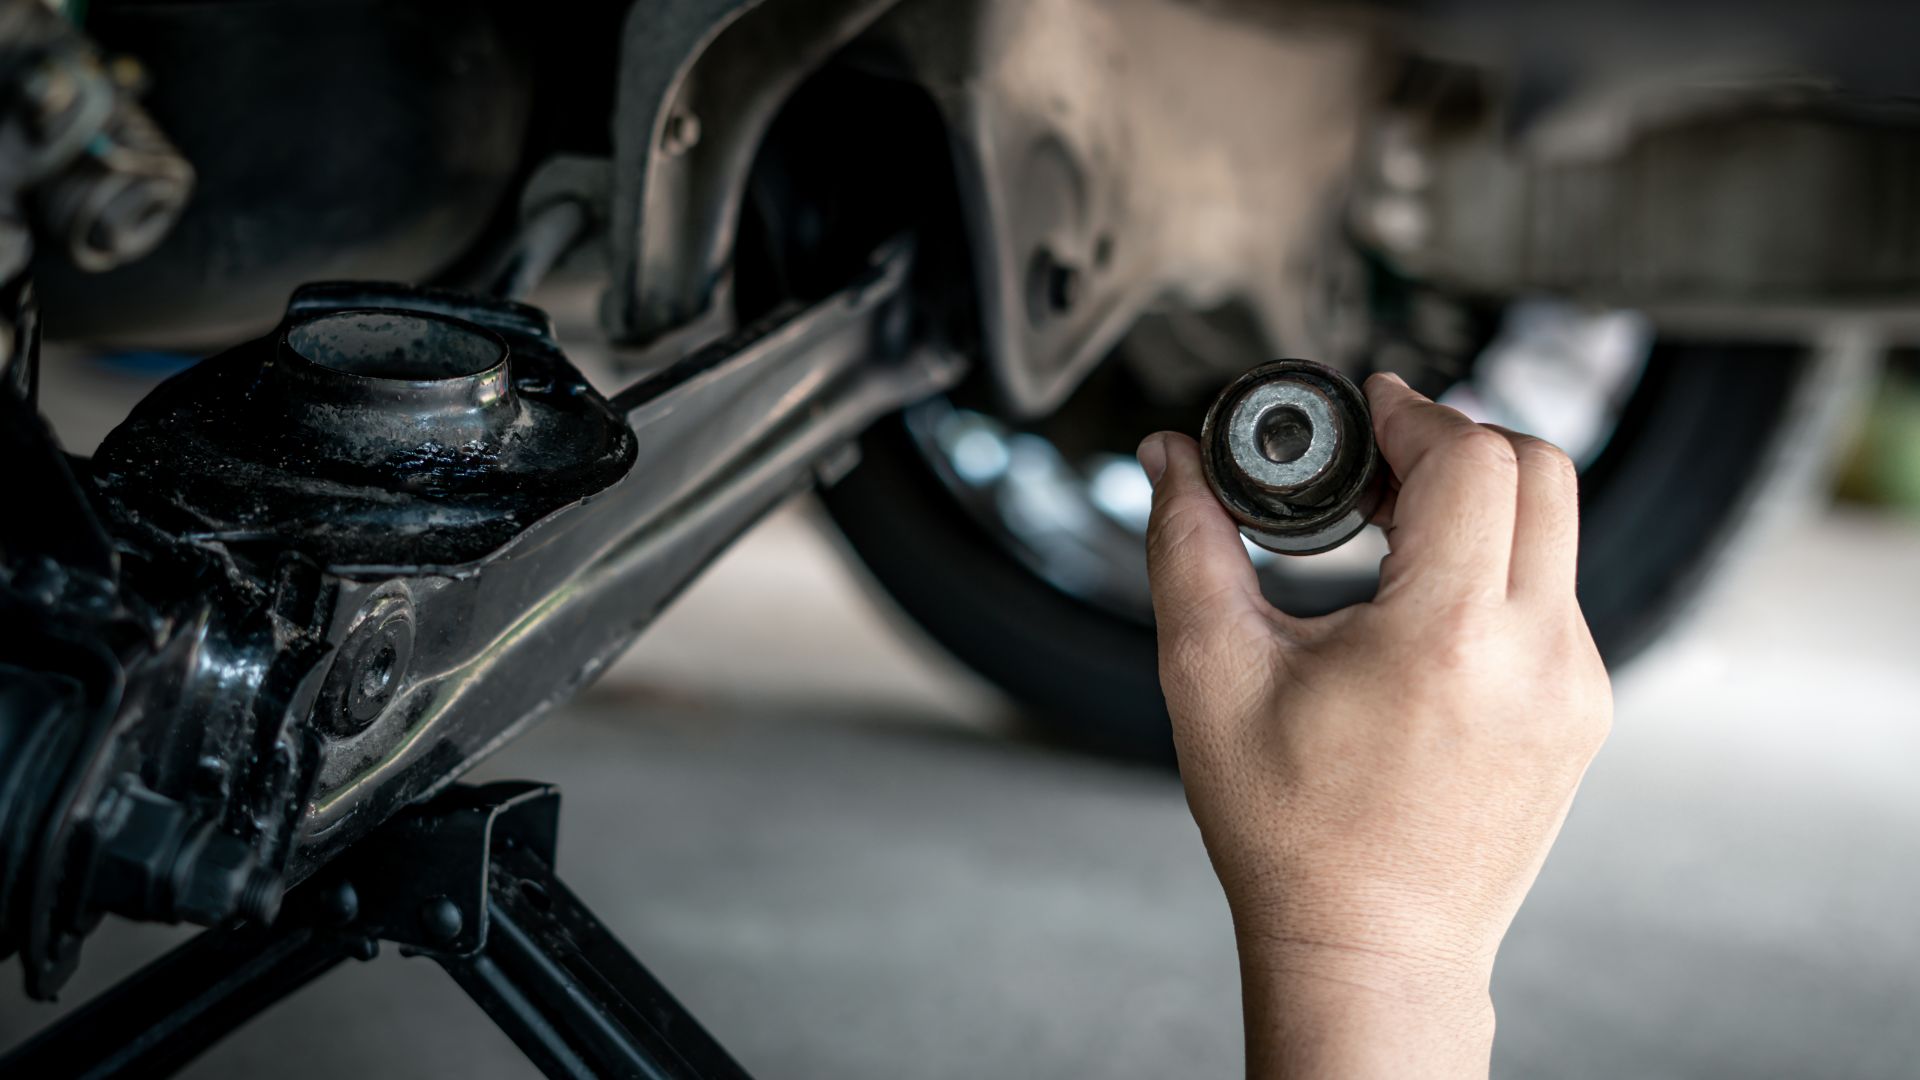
(829, 843)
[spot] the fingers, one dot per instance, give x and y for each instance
(1453, 518)
(1201, 577)
(1546, 528)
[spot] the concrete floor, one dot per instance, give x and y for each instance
(831, 844)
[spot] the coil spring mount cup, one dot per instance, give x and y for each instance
(1289, 452)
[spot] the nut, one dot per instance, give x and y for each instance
(370, 667)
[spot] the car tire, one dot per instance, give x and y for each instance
(1696, 442)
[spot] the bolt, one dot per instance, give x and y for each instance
(260, 897)
(371, 665)
(340, 904)
(537, 895)
(52, 89)
(441, 919)
(117, 201)
(216, 877)
(377, 674)
(210, 775)
(1400, 222)
(1402, 162)
(132, 221)
(128, 74)
(680, 134)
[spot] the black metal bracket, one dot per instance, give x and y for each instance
(466, 879)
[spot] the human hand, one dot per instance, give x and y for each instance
(1378, 787)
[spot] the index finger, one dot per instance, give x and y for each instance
(1453, 517)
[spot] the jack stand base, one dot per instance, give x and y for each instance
(466, 879)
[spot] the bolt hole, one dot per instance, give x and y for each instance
(1053, 288)
(377, 676)
(536, 895)
(1284, 434)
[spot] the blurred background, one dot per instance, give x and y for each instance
(888, 791)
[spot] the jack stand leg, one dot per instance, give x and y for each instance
(572, 997)
(166, 1014)
(466, 879)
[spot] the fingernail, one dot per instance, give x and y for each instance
(1390, 376)
(1153, 456)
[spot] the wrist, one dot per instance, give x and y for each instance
(1317, 1009)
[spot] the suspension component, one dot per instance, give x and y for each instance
(1289, 452)
(86, 166)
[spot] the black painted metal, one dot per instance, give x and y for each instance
(467, 879)
(569, 994)
(301, 440)
(314, 579)
(422, 879)
(172, 1010)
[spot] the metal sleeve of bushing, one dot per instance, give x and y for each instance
(1289, 451)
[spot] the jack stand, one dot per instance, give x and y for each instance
(466, 879)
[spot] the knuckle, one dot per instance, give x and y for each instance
(1600, 727)
(1588, 693)
(1458, 638)
(1486, 449)
(1549, 461)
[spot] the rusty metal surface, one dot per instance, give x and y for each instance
(1309, 482)
(1109, 156)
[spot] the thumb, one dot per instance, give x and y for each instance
(1202, 580)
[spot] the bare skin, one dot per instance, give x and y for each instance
(1378, 788)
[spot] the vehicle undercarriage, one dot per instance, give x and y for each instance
(943, 258)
